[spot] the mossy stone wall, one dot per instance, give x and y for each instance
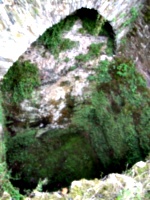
(22, 22)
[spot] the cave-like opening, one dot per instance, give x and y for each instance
(60, 155)
(89, 18)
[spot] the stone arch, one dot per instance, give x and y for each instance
(21, 23)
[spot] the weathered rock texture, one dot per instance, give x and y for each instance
(22, 21)
(132, 185)
(60, 85)
(137, 43)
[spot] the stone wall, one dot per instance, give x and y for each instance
(23, 21)
(137, 43)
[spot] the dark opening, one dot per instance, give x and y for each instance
(59, 155)
(90, 16)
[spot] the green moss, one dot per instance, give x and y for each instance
(66, 60)
(67, 44)
(134, 13)
(59, 155)
(110, 47)
(88, 25)
(116, 114)
(94, 52)
(52, 38)
(92, 22)
(82, 31)
(20, 81)
(72, 68)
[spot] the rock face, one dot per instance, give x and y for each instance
(64, 80)
(134, 184)
(22, 22)
(138, 43)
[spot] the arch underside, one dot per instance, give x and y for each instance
(23, 22)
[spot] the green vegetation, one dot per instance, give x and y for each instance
(94, 52)
(66, 60)
(92, 22)
(5, 184)
(134, 14)
(116, 117)
(52, 38)
(59, 155)
(110, 47)
(89, 25)
(99, 26)
(93, 27)
(20, 81)
(72, 68)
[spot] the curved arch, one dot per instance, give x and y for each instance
(21, 23)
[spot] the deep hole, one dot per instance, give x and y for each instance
(62, 174)
(72, 154)
(26, 175)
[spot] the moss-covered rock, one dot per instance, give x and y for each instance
(113, 187)
(61, 156)
(19, 82)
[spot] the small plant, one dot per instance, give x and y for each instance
(89, 25)
(66, 60)
(20, 81)
(41, 183)
(72, 68)
(134, 14)
(110, 47)
(82, 58)
(122, 69)
(91, 78)
(52, 38)
(94, 52)
(92, 23)
(82, 31)
(66, 44)
(6, 184)
(95, 49)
